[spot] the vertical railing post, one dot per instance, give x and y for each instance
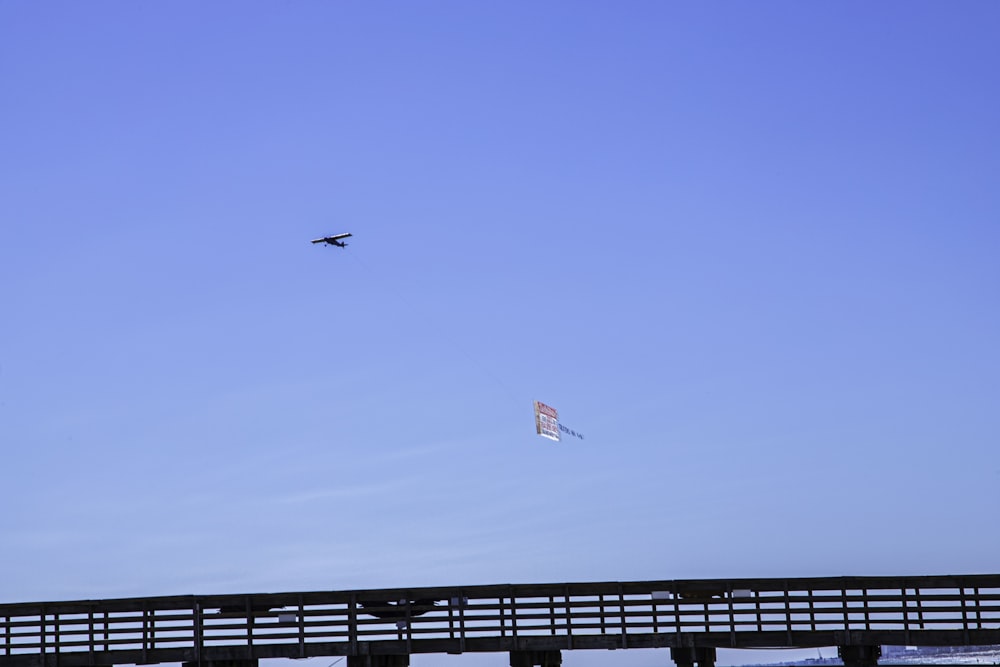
(56, 636)
(569, 619)
(41, 638)
(920, 607)
(979, 609)
(677, 607)
(503, 620)
(906, 615)
(654, 605)
(249, 620)
(301, 616)
(552, 615)
(864, 601)
(965, 615)
(513, 614)
(199, 631)
(409, 622)
(461, 619)
(732, 614)
(451, 619)
(843, 601)
(788, 613)
(145, 633)
(756, 608)
(352, 623)
(624, 618)
(812, 611)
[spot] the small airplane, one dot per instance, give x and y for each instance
(333, 240)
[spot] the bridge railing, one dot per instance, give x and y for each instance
(736, 612)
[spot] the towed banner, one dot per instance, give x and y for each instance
(547, 423)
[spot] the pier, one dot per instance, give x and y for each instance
(534, 623)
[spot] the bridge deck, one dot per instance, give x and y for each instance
(723, 613)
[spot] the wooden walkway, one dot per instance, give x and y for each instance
(534, 623)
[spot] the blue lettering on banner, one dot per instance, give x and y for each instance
(570, 431)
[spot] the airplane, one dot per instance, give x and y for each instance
(333, 240)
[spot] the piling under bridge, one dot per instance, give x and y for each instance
(534, 623)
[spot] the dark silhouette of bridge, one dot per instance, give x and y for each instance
(534, 623)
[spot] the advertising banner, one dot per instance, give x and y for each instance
(546, 421)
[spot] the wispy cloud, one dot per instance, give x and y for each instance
(356, 492)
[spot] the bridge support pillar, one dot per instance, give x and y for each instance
(378, 661)
(535, 659)
(859, 656)
(689, 656)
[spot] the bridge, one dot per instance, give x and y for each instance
(534, 623)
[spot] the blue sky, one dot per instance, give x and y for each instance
(748, 249)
